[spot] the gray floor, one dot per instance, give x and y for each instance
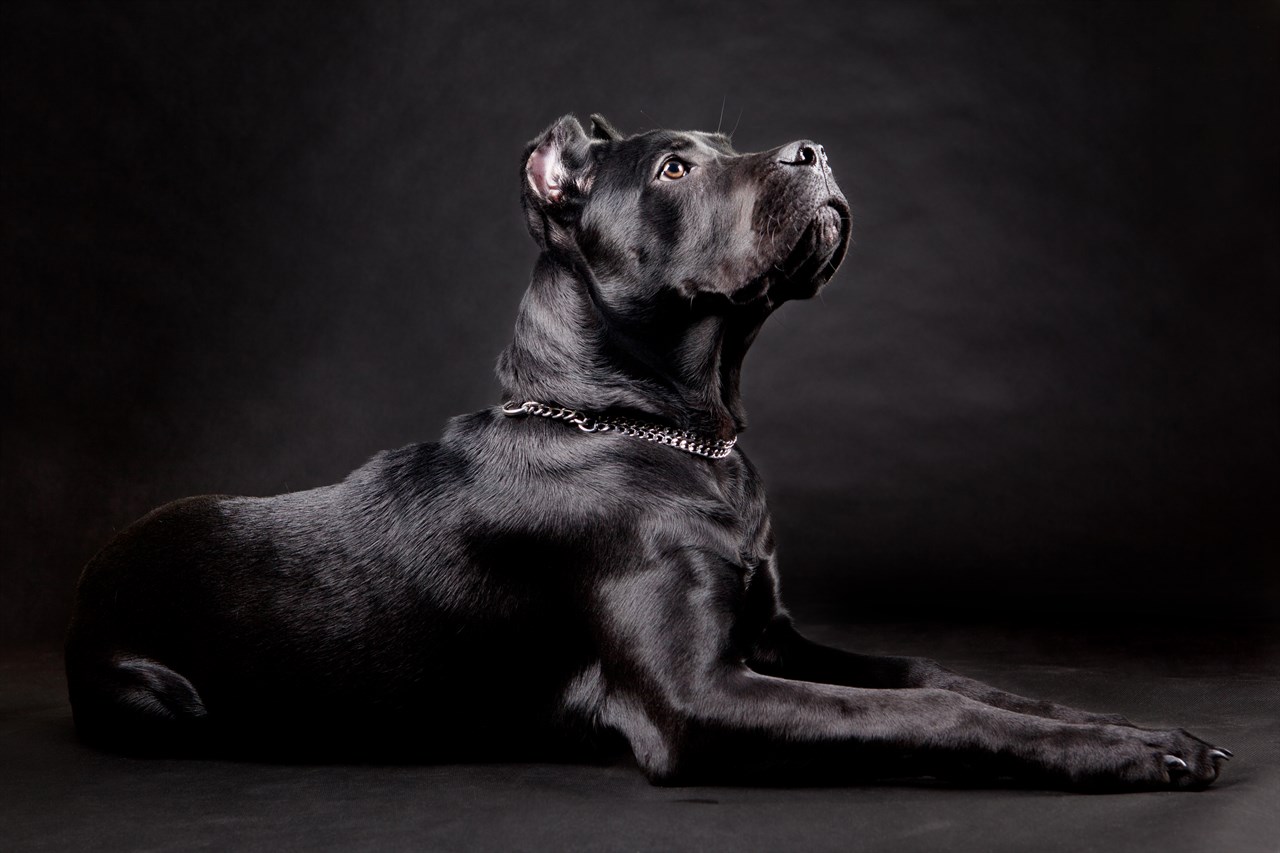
(57, 795)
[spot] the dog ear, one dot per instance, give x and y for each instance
(556, 176)
(557, 162)
(601, 129)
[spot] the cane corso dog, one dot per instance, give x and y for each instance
(588, 564)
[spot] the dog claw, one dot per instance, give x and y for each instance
(1219, 752)
(1173, 762)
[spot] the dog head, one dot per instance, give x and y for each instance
(674, 212)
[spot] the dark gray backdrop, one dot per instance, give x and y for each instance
(247, 245)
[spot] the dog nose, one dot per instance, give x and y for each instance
(803, 153)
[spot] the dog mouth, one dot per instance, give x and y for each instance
(810, 262)
(818, 253)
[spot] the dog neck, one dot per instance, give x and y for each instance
(672, 361)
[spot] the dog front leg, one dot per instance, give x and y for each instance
(784, 652)
(744, 726)
(677, 688)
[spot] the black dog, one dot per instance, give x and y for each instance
(593, 560)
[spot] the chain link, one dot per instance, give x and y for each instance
(711, 448)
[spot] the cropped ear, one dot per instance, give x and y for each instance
(601, 129)
(556, 176)
(557, 162)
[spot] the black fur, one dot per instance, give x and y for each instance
(525, 586)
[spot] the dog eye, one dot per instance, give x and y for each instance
(673, 169)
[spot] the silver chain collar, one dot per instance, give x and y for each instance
(699, 445)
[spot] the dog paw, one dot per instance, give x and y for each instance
(1123, 758)
(1174, 759)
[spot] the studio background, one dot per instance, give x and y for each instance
(246, 246)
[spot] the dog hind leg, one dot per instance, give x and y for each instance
(136, 704)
